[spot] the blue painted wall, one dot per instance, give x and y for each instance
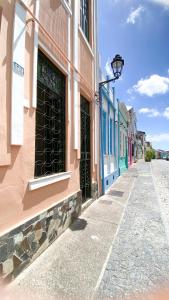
(109, 136)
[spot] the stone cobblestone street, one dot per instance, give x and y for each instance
(139, 261)
(160, 169)
(123, 250)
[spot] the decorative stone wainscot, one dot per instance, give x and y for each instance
(94, 190)
(22, 245)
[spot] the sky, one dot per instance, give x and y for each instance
(138, 30)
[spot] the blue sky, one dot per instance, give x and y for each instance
(138, 30)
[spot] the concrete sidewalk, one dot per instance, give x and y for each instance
(73, 266)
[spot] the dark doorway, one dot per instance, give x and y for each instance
(85, 177)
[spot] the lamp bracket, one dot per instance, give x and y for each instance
(102, 83)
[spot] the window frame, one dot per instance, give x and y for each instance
(85, 27)
(55, 174)
(67, 5)
(111, 151)
(105, 132)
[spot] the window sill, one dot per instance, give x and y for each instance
(44, 181)
(86, 41)
(67, 7)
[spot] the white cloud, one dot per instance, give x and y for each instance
(134, 15)
(166, 113)
(108, 69)
(151, 86)
(128, 107)
(164, 3)
(130, 91)
(150, 112)
(163, 137)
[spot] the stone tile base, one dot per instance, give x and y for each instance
(22, 245)
(94, 190)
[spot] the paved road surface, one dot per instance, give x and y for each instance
(139, 261)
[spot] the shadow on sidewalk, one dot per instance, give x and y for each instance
(78, 224)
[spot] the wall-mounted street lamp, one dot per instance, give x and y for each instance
(117, 67)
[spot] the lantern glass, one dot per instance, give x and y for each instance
(117, 65)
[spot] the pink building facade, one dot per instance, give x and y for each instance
(49, 158)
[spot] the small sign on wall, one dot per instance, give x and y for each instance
(18, 69)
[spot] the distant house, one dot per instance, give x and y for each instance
(148, 146)
(140, 144)
(161, 154)
(158, 154)
(132, 129)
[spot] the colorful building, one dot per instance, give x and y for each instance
(161, 154)
(140, 144)
(132, 129)
(109, 137)
(123, 121)
(49, 158)
(148, 146)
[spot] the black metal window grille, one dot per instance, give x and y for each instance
(50, 119)
(84, 17)
(85, 177)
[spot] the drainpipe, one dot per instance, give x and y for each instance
(75, 83)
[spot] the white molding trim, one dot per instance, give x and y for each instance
(69, 92)
(26, 103)
(76, 115)
(76, 76)
(75, 35)
(66, 7)
(44, 181)
(76, 126)
(69, 67)
(35, 56)
(17, 87)
(53, 58)
(86, 41)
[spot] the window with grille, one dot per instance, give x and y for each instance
(50, 119)
(84, 17)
